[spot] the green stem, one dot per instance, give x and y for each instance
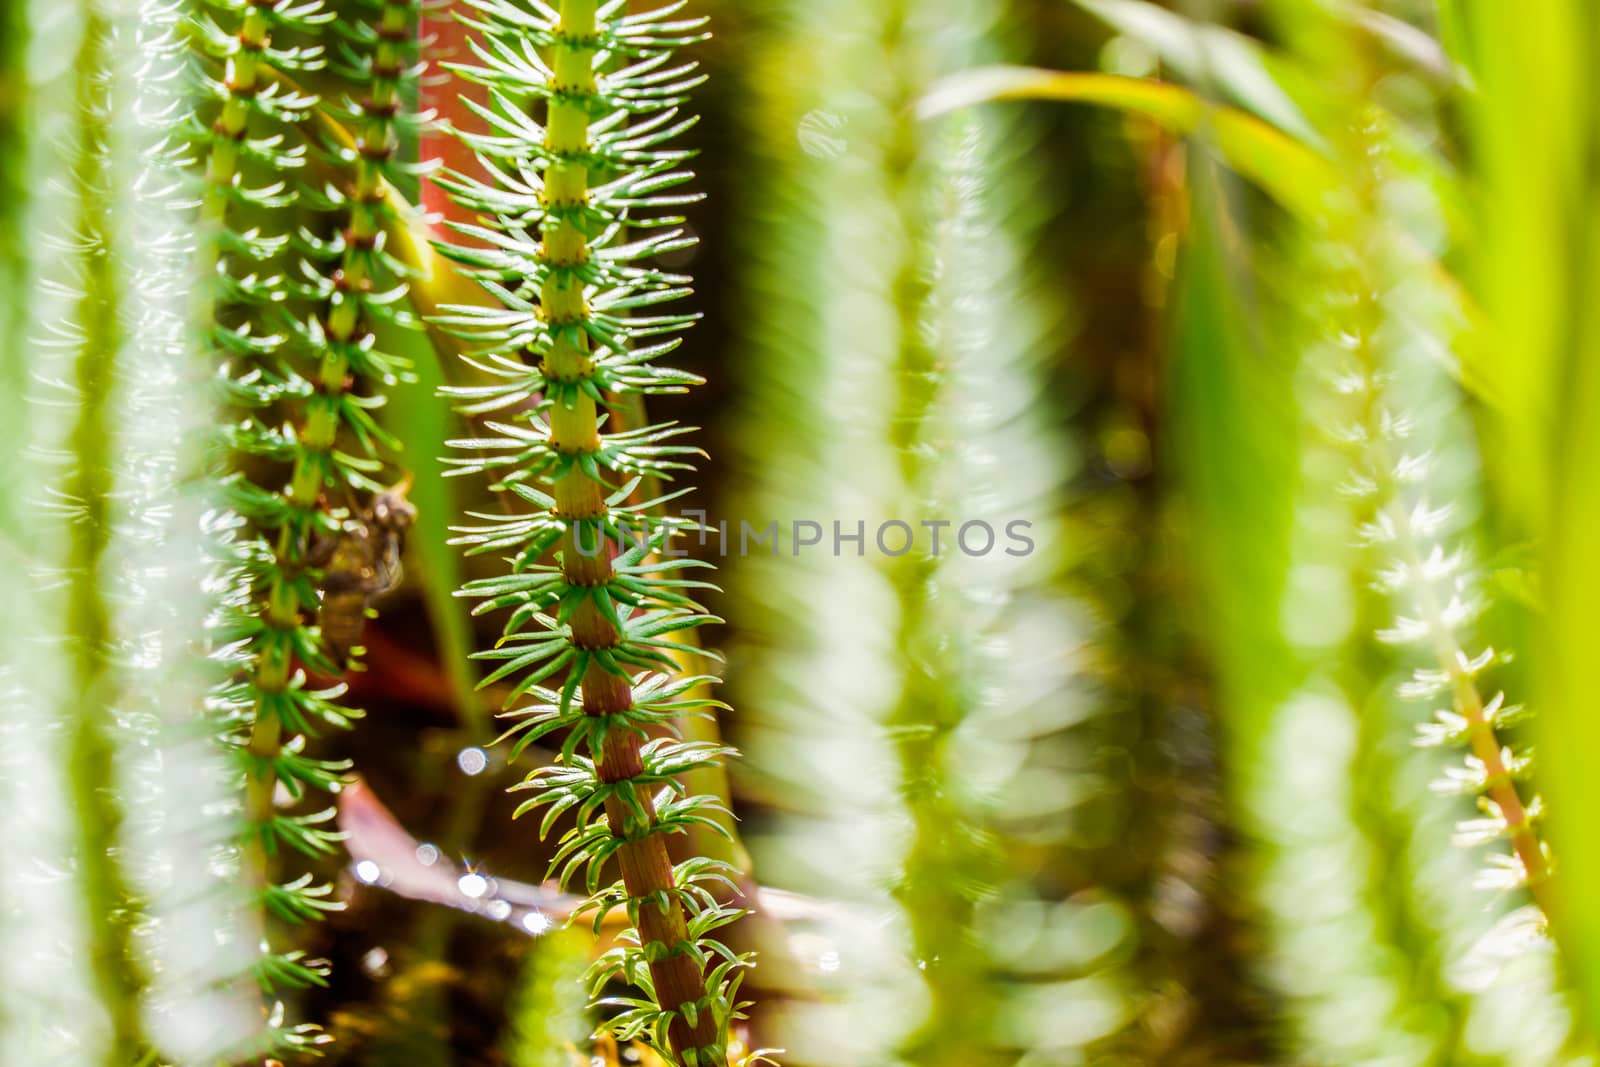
(643, 859)
(724, 841)
(1449, 657)
(944, 854)
(243, 75)
(404, 226)
(91, 745)
(1452, 660)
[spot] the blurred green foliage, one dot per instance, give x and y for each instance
(1274, 749)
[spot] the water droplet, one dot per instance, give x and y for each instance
(536, 922)
(498, 910)
(375, 962)
(427, 855)
(472, 761)
(473, 885)
(828, 962)
(368, 871)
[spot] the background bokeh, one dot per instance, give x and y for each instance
(1281, 344)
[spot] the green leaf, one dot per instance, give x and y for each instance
(421, 418)
(1205, 54)
(1527, 267)
(1233, 444)
(1295, 175)
(1552, 418)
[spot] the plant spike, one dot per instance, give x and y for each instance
(900, 376)
(304, 372)
(92, 736)
(265, 630)
(972, 341)
(365, 285)
(1382, 318)
(1432, 585)
(197, 933)
(69, 995)
(1399, 426)
(564, 351)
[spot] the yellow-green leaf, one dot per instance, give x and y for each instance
(1295, 175)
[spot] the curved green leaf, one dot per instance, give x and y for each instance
(1294, 174)
(1205, 54)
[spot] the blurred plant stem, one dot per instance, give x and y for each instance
(14, 257)
(548, 1014)
(91, 744)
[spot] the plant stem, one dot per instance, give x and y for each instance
(1369, 237)
(1499, 785)
(723, 843)
(91, 746)
(243, 79)
(222, 165)
(1450, 657)
(645, 865)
